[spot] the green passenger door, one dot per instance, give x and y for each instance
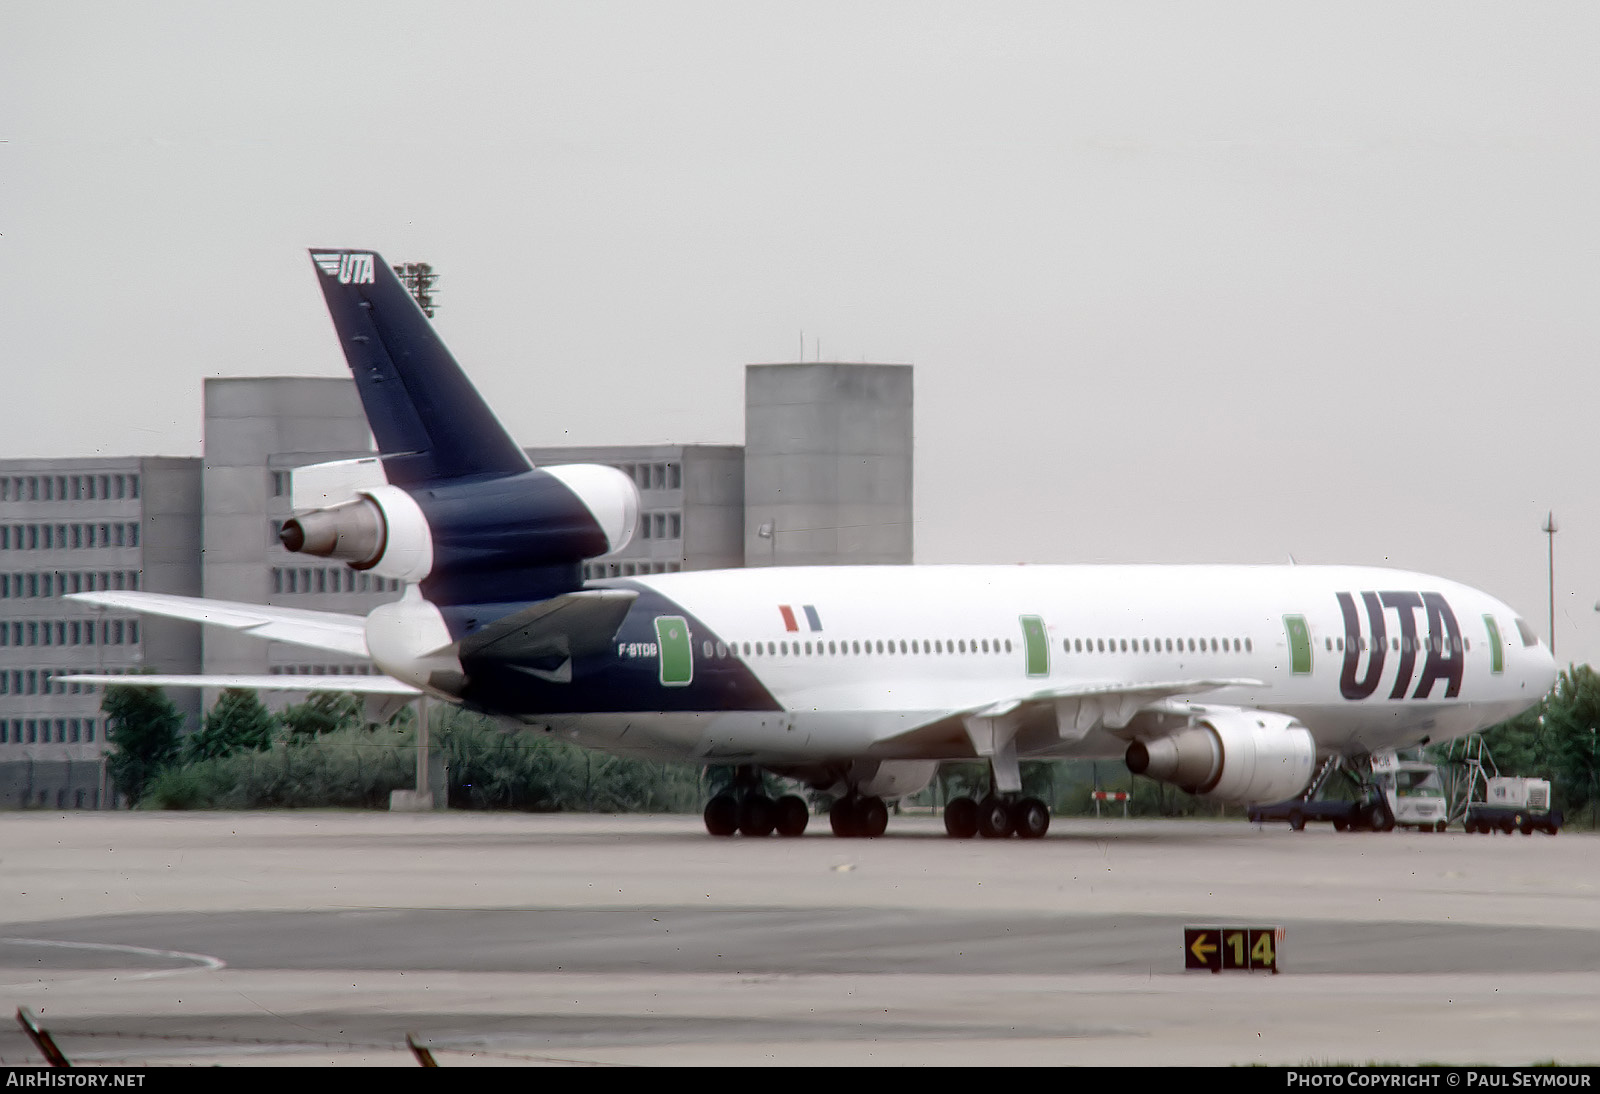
(1037, 645)
(1497, 663)
(1299, 644)
(676, 654)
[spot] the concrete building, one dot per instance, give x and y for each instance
(691, 505)
(78, 525)
(827, 464)
(824, 477)
(257, 429)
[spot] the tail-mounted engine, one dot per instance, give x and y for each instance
(486, 534)
(1231, 755)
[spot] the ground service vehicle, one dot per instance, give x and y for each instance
(1414, 792)
(1515, 804)
(1403, 793)
(1342, 814)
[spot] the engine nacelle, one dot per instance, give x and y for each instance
(545, 516)
(1231, 755)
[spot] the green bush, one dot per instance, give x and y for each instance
(195, 786)
(492, 768)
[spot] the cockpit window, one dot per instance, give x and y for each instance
(1529, 638)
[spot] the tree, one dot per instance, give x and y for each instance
(323, 713)
(237, 723)
(1556, 740)
(142, 729)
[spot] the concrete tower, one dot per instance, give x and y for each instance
(827, 464)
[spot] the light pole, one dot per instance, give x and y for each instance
(1550, 531)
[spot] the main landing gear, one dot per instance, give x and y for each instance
(996, 817)
(855, 816)
(744, 808)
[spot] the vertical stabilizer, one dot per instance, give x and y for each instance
(430, 423)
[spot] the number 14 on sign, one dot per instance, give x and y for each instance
(1226, 949)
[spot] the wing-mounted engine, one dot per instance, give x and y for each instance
(1232, 755)
(482, 533)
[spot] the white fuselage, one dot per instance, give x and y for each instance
(859, 657)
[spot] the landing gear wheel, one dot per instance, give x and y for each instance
(961, 818)
(757, 815)
(872, 818)
(1030, 818)
(722, 815)
(994, 818)
(842, 818)
(792, 814)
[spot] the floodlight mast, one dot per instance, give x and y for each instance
(419, 280)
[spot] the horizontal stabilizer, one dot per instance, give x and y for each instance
(360, 685)
(300, 626)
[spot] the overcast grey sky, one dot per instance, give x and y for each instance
(1182, 281)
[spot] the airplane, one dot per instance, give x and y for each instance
(1231, 682)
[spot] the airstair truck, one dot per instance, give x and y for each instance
(1413, 790)
(1514, 804)
(1396, 793)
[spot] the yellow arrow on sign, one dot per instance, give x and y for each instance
(1200, 949)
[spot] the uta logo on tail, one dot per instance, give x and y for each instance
(350, 269)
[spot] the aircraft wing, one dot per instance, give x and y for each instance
(1109, 706)
(362, 685)
(1067, 712)
(320, 630)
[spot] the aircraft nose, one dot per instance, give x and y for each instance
(1545, 672)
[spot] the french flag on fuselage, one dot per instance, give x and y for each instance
(813, 620)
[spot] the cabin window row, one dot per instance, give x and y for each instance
(70, 632)
(68, 487)
(858, 647)
(45, 537)
(30, 731)
(1414, 644)
(59, 583)
(1157, 645)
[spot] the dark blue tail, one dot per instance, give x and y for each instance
(429, 421)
